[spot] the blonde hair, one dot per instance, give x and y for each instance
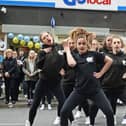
(31, 51)
(76, 32)
(7, 51)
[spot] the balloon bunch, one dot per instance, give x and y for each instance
(26, 41)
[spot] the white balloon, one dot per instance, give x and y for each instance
(3, 45)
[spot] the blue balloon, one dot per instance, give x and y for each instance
(27, 38)
(20, 37)
(1, 58)
(10, 35)
(35, 39)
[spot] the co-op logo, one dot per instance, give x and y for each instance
(98, 2)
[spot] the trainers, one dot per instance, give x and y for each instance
(119, 102)
(25, 96)
(29, 102)
(56, 121)
(42, 107)
(77, 115)
(49, 107)
(115, 121)
(10, 105)
(27, 123)
(123, 121)
(87, 120)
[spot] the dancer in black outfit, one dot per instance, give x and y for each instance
(68, 80)
(113, 82)
(87, 80)
(50, 61)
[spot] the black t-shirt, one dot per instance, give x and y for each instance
(113, 77)
(69, 77)
(87, 64)
(51, 63)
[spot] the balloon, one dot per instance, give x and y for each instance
(20, 36)
(10, 35)
(15, 40)
(30, 44)
(37, 45)
(22, 42)
(3, 45)
(27, 38)
(35, 39)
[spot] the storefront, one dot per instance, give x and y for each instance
(30, 17)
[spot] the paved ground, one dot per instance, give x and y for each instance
(16, 116)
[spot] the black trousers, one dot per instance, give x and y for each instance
(85, 106)
(47, 96)
(68, 88)
(112, 96)
(75, 99)
(10, 89)
(40, 91)
(30, 88)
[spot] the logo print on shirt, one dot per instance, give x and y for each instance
(90, 59)
(60, 52)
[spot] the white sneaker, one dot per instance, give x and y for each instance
(87, 120)
(42, 107)
(49, 107)
(119, 102)
(10, 105)
(27, 123)
(123, 121)
(115, 120)
(56, 121)
(77, 115)
(25, 96)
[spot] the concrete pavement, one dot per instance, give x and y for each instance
(16, 116)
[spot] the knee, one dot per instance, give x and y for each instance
(109, 113)
(64, 112)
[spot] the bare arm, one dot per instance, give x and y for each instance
(70, 60)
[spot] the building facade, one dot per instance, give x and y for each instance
(99, 16)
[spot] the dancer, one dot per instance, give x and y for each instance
(113, 82)
(87, 83)
(50, 61)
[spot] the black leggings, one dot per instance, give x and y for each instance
(47, 96)
(85, 106)
(112, 96)
(30, 88)
(75, 99)
(40, 91)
